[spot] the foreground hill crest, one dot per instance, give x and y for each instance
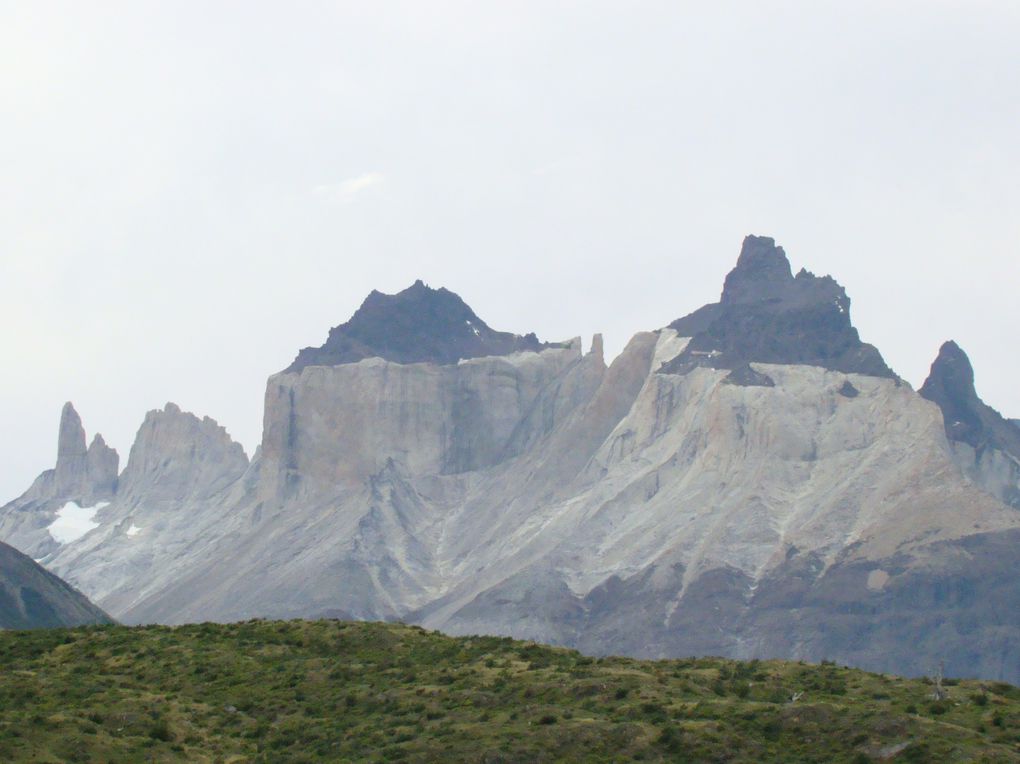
(333, 691)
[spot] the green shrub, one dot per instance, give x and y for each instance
(160, 731)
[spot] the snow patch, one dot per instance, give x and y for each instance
(134, 530)
(74, 521)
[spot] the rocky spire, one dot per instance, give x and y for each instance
(102, 463)
(967, 418)
(768, 315)
(417, 325)
(72, 466)
(82, 474)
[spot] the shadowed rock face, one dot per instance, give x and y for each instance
(417, 325)
(32, 598)
(968, 419)
(768, 315)
(985, 445)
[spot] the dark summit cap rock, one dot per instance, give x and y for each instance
(417, 325)
(768, 315)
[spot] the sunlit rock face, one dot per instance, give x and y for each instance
(752, 480)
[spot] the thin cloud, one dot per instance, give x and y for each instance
(347, 191)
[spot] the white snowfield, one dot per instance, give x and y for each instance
(73, 521)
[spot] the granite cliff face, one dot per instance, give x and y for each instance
(752, 480)
(327, 426)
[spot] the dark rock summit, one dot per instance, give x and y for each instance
(968, 419)
(768, 315)
(417, 325)
(32, 598)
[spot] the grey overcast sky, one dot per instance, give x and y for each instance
(192, 191)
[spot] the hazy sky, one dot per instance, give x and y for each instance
(192, 191)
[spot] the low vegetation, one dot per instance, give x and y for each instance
(333, 691)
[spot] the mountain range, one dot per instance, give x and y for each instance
(752, 480)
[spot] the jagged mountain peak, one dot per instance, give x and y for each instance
(768, 315)
(178, 455)
(763, 274)
(952, 368)
(968, 419)
(416, 325)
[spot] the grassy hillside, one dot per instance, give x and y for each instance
(333, 691)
